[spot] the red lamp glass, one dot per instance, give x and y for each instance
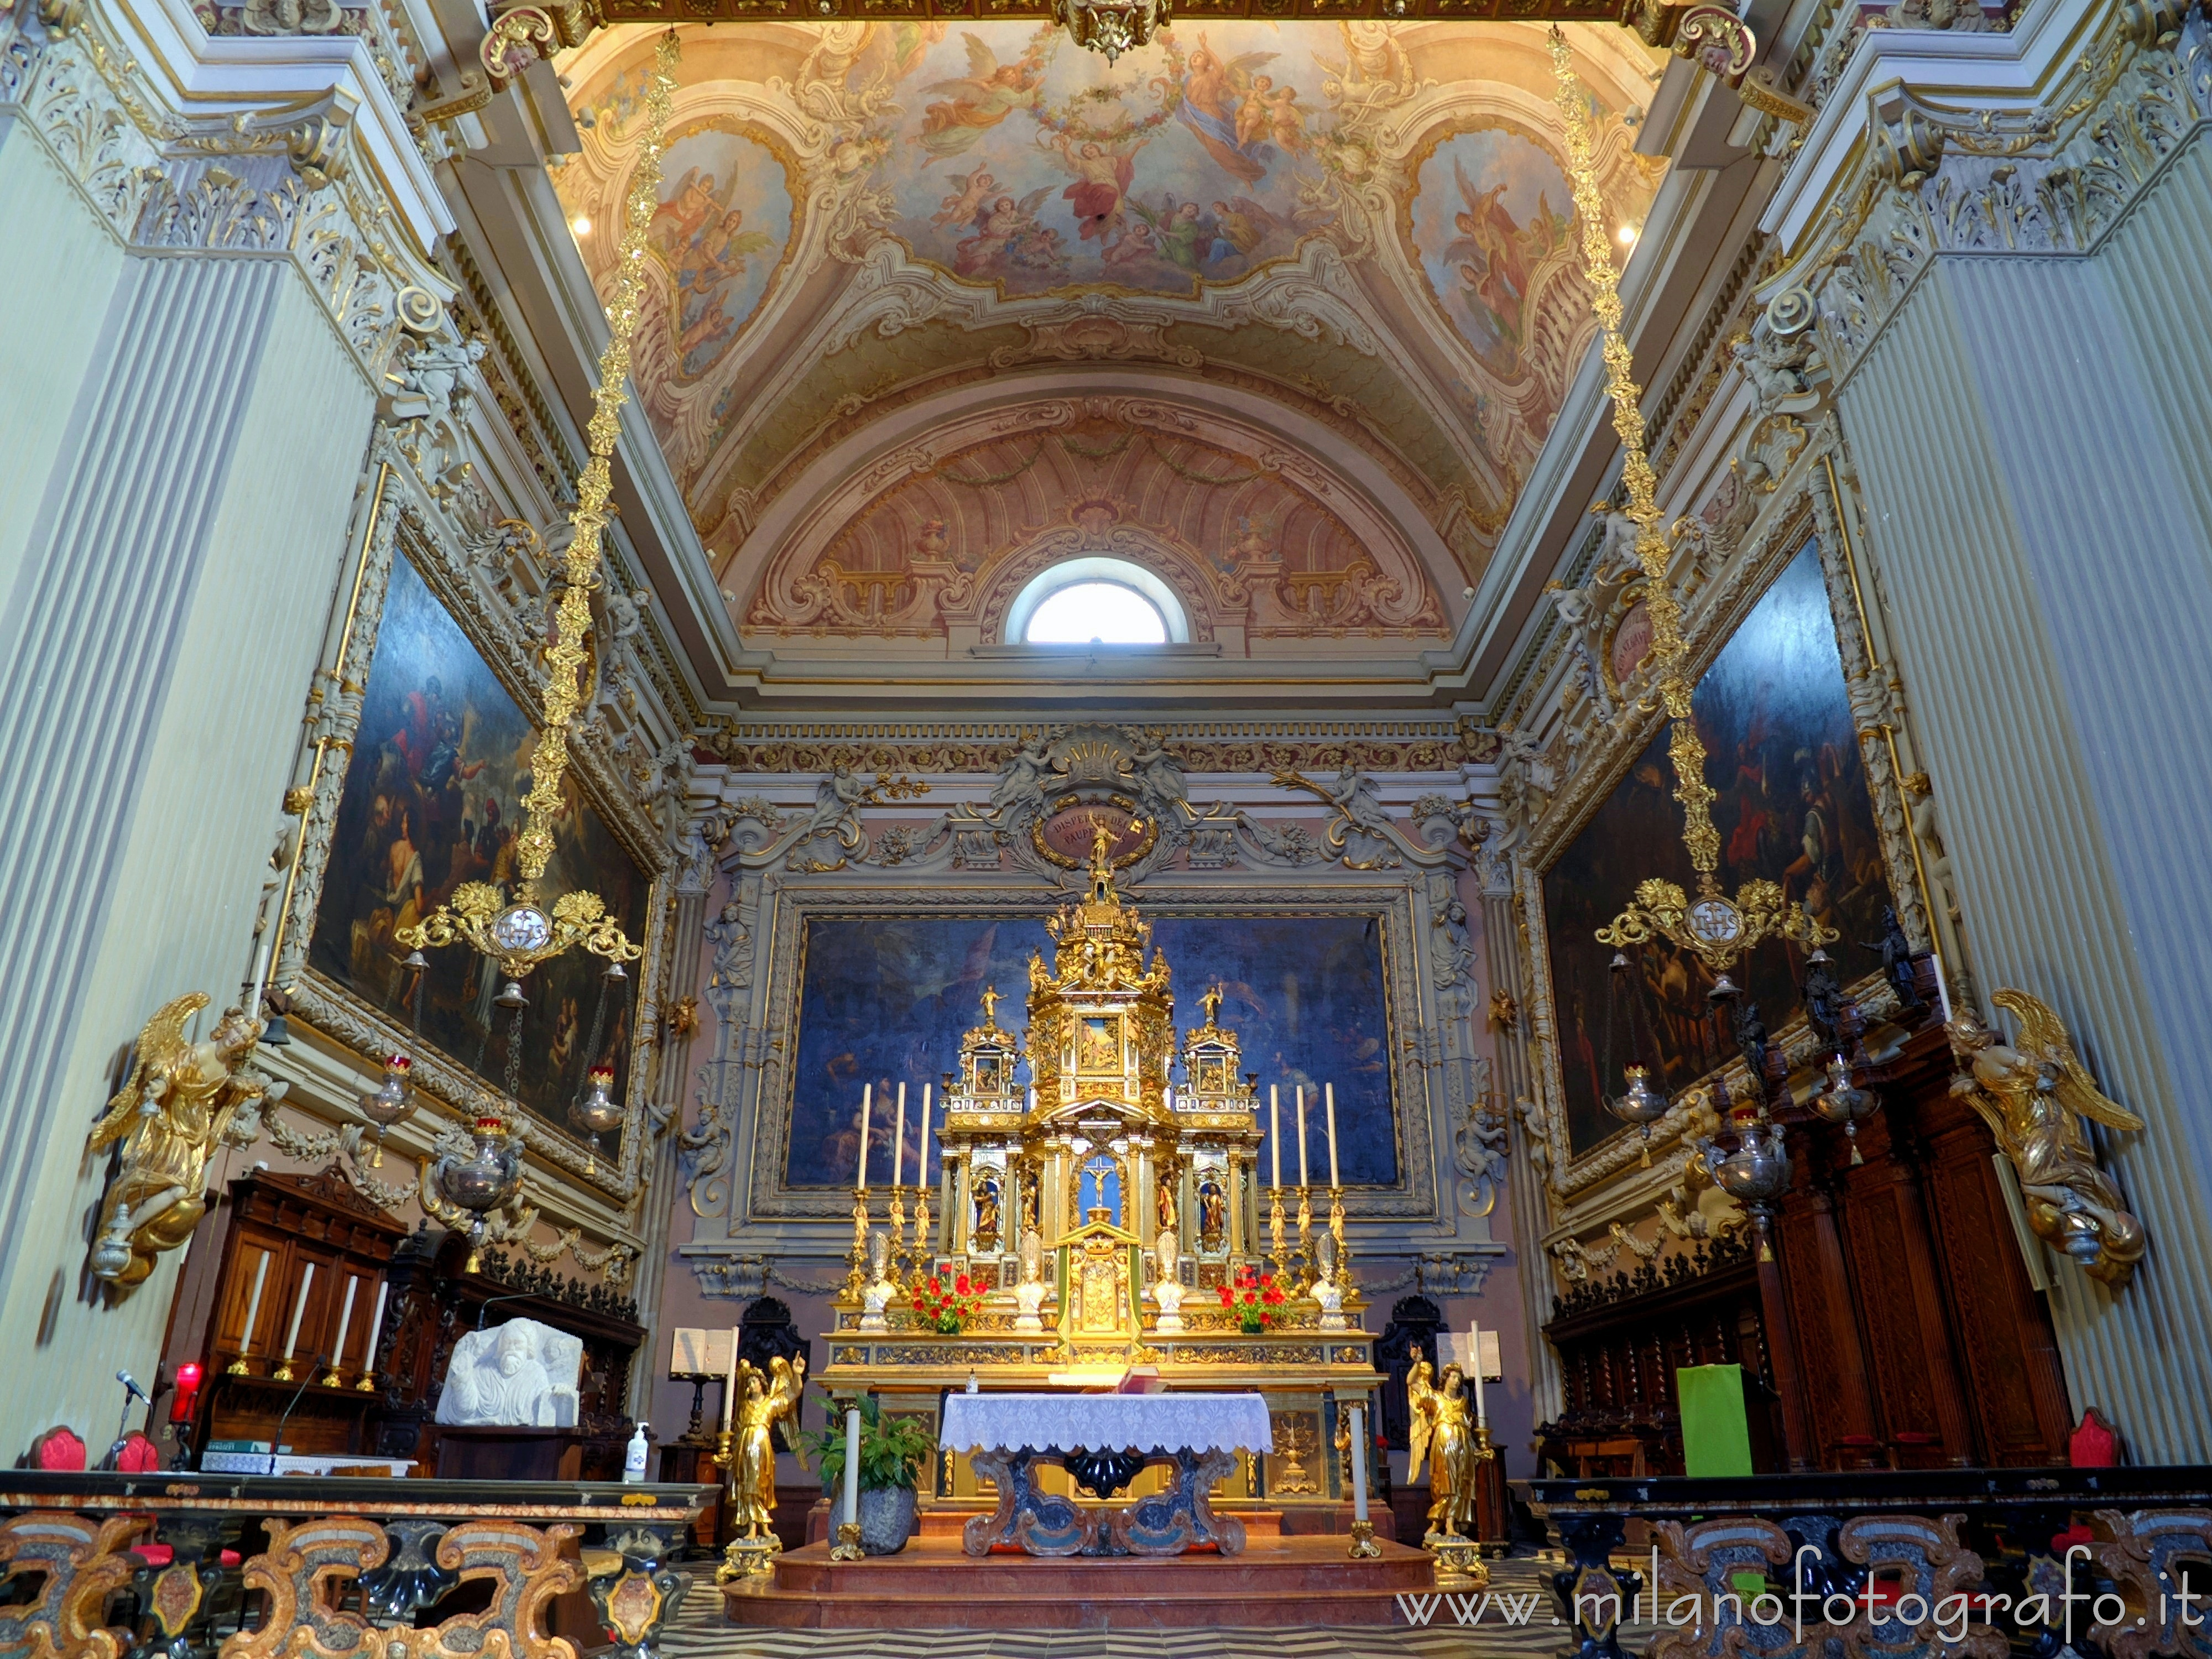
(187, 1393)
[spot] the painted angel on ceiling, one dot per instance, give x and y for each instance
(1237, 113)
(979, 101)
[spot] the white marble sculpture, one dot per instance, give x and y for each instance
(1029, 1292)
(1326, 1290)
(876, 1295)
(1167, 1289)
(519, 1374)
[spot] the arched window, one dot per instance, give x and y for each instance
(1097, 601)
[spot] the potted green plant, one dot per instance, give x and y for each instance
(894, 1452)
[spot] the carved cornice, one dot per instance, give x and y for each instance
(289, 149)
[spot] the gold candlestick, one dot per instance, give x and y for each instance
(858, 1279)
(1305, 1239)
(924, 1246)
(1336, 1232)
(367, 1383)
(897, 1268)
(1279, 1255)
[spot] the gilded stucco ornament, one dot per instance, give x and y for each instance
(2033, 1095)
(181, 1099)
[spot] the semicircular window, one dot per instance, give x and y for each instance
(1097, 601)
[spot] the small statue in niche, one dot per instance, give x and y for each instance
(1212, 1213)
(1896, 960)
(986, 1231)
(1029, 1291)
(1167, 1289)
(1166, 1205)
(1823, 998)
(1326, 1291)
(876, 1296)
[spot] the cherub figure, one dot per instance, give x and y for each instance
(2032, 1096)
(179, 1101)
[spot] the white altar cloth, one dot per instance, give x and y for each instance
(1107, 1422)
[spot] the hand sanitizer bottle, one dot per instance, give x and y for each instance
(634, 1458)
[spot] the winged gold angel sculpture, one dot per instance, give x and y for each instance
(2034, 1095)
(1442, 1430)
(762, 1403)
(180, 1100)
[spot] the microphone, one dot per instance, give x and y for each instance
(520, 1296)
(276, 1439)
(132, 1389)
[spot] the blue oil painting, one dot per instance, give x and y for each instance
(885, 1000)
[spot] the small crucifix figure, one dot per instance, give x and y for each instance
(1212, 1003)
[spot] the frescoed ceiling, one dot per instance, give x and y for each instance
(1282, 311)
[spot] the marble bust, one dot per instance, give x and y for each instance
(1326, 1290)
(519, 1374)
(1167, 1289)
(1029, 1294)
(877, 1294)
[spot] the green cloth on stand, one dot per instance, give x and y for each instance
(1715, 1434)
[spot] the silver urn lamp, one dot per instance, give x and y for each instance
(596, 1111)
(1755, 1173)
(388, 1103)
(1843, 1102)
(481, 1182)
(1639, 1103)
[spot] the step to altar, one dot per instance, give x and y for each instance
(933, 1584)
(949, 1522)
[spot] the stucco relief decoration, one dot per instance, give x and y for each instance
(881, 213)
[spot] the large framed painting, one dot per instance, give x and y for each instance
(885, 998)
(432, 797)
(1791, 803)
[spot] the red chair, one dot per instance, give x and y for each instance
(139, 1455)
(57, 1449)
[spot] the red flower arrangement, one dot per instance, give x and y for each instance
(947, 1307)
(1255, 1297)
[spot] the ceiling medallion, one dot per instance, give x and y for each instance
(1064, 836)
(1112, 26)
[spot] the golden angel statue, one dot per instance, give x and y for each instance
(1443, 1432)
(180, 1099)
(762, 1403)
(2033, 1096)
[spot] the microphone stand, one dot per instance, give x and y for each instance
(520, 1296)
(276, 1440)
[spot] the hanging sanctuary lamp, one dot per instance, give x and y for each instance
(1715, 926)
(521, 933)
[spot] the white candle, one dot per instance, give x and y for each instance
(1359, 1462)
(898, 1143)
(729, 1384)
(867, 1091)
(1474, 1370)
(1302, 1135)
(253, 1305)
(260, 980)
(1275, 1130)
(345, 1322)
(921, 1163)
(299, 1309)
(853, 1466)
(1328, 1096)
(375, 1327)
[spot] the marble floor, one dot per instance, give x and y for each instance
(1467, 1632)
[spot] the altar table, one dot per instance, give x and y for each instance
(1104, 1441)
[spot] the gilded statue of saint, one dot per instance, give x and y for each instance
(2033, 1096)
(986, 1211)
(181, 1098)
(1443, 1431)
(1212, 1217)
(762, 1403)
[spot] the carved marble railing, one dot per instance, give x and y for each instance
(251, 1567)
(1923, 1562)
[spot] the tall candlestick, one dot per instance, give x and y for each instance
(253, 1304)
(345, 1322)
(898, 1143)
(853, 1465)
(1302, 1135)
(375, 1326)
(299, 1310)
(1275, 1130)
(1328, 1096)
(867, 1093)
(1360, 1454)
(1475, 1366)
(730, 1382)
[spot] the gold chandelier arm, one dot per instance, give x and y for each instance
(574, 618)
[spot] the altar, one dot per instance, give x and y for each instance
(1103, 1211)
